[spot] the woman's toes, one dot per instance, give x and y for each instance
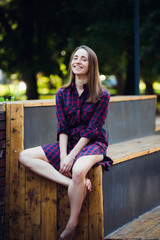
(88, 184)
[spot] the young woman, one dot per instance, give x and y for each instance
(81, 108)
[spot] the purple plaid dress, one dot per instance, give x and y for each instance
(78, 118)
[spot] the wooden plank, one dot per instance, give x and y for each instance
(96, 230)
(146, 226)
(154, 232)
(33, 207)
(135, 155)
(37, 103)
(132, 98)
(30, 103)
(63, 209)
(63, 213)
(130, 149)
(7, 172)
(139, 229)
(82, 228)
(17, 175)
(51, 102)
(48, 210)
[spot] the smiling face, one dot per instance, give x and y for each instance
(79, 63)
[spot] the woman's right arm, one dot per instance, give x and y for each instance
(63, 141)
(64, 159)
(62, 126)
(62, 135)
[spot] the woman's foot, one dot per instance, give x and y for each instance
(88, 184)
(70, 229)
(68, 232)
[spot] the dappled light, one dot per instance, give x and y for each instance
(36, 45)
(48, 85)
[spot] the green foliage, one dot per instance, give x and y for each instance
(30, 40)
(39, 36)
(150, 48)
(156, 87)
(10, 98)
(48, 85)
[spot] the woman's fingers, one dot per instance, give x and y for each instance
(66, 165)
(67, 174)
(70, 174)
(65, 170)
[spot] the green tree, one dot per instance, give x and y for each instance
(35, 32)
(109, 30)
(30, 40)
(150, 48)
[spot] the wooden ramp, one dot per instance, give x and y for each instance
(126, 150)
(132, 183)
(146, 226)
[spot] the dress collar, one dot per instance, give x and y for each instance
(73, 85)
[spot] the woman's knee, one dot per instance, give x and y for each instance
(24, 157)
(78, 175)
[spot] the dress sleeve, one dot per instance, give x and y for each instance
(62, 126)
(98, 118)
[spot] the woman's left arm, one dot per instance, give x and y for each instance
(83, 141)
(98, 118)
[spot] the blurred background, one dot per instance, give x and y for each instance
(37, 38)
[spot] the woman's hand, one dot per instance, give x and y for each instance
(66, 164)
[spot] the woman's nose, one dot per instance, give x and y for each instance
(77, 60)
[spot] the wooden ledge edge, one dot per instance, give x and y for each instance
(131, 98)
(40, 103)
(34, 103)
(51, 102)
(135, 155)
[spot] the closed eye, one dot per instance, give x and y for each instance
(84, 59)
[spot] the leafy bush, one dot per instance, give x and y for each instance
(9, 98)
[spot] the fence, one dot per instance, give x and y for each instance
(36, 208)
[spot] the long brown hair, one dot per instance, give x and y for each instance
(94, 84)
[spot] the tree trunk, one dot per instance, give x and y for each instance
(130, 78)
(149, 88)
(120, 83)
(31, 82)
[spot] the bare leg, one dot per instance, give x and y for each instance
(77, 191)
(35, 160)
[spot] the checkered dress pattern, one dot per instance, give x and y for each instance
(79, 118)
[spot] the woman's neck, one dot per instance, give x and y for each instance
(80, 81)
